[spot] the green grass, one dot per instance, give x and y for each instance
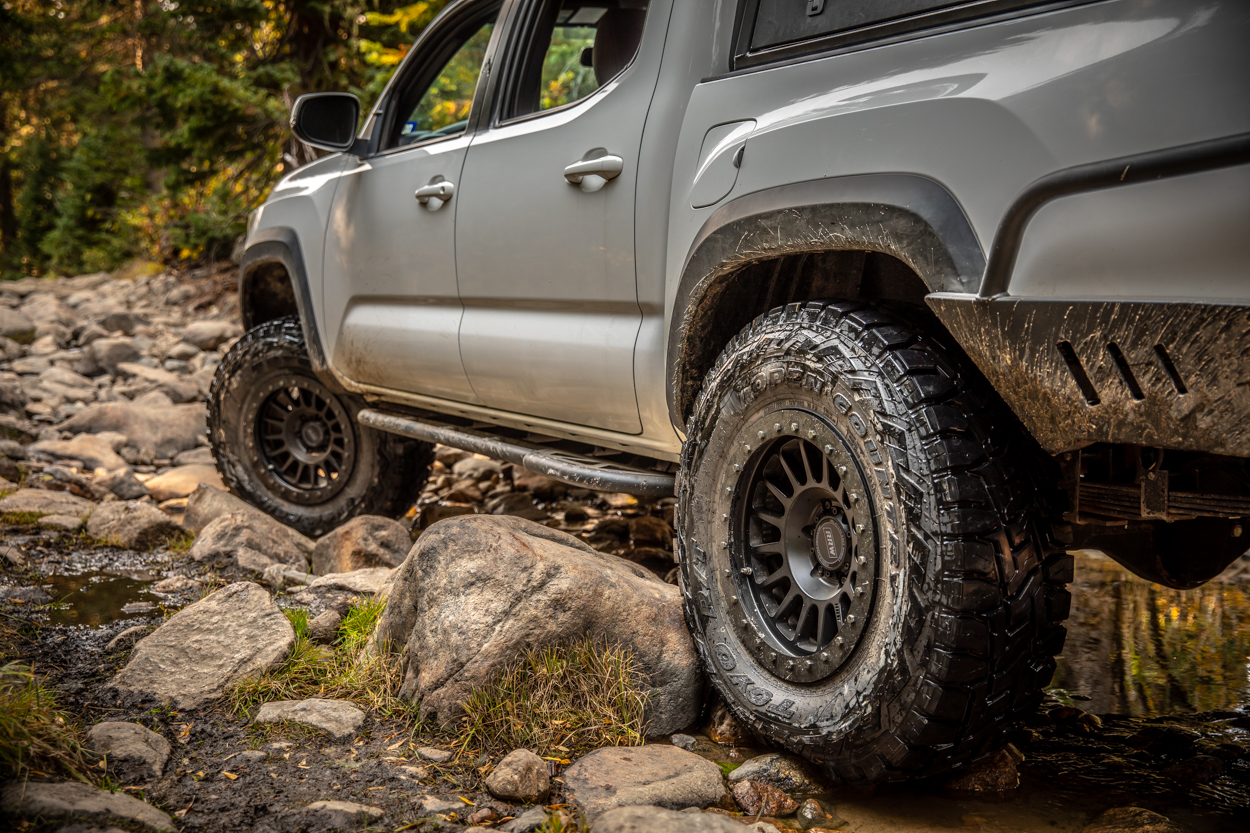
(181, 543)
(338, 672)
(23, 519)
(559, 702)
(37, 737)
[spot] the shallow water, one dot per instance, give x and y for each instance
(99, 597)
(1137, 648)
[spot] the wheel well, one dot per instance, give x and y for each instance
(740, 296)
(266, 294)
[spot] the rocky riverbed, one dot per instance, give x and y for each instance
(146, 599)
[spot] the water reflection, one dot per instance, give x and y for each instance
(96, 598)
(1137, 648)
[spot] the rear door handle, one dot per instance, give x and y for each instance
(436, 190)
(608, 167)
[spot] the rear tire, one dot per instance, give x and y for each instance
(865, 562)
(291, 447)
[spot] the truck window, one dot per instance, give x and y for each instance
(772, 30)
(568, 49)
(434, 97)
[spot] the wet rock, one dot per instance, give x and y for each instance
(365, 582)
(651, 819)
(541, 487)
(94, 451)
(1200, 769)
(993, 773)
(337, 718)
(659, 775)
(364, 541)
(44, 502)
(812, 813)
(476, 590)
(134, 753)
(646, 531)
(780, 771)
(16, 326)
(723, 727)
(182, 481)
(476, 468)
(208, 335)
(152, 423)
(437, 756)
(127, 637)
(464, 492)
(520, 776)
(342, 815)
(132, 525)
(121, 482)
(759, 799)
(227, 535)
(515, 504)
(66, 799)
(24, 595)
(108, 353)
(324, 627)
(1132, 820)
(196, 655)
(685, 742)
(1165, 740)
(432, 513)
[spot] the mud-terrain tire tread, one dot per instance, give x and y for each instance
(991, 620)
(389, 473)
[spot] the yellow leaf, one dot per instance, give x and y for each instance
(466, 801)
(230, 775)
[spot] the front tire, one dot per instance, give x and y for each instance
(864, 559)
(291, 447)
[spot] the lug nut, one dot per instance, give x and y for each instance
(762, 435)
(850, 619)
(824, 657)
(837, 640)
(842, 470)
(746, 571)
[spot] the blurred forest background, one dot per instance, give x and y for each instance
(148, 129)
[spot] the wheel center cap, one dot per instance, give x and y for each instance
(830, 544)
(312, 434)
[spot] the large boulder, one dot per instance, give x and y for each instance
(207, 335)
(152, 423)
(132, 525)
(206, 647)
(476, 591)
(228, 535)
(659, 820)
(364, 541)
(659, 775)
(107, 353)
(208, 503)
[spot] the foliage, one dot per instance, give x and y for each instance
(152, 127)
(343, 672)
(559, 702)
(36, 736)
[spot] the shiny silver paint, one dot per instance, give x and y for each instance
(557, 340)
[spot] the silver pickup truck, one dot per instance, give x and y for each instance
(903, 299)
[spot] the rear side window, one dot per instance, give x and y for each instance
(786, 21)
(773, 30)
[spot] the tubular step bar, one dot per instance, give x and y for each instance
(574, 469)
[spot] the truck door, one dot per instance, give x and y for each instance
(545, 224)
(392, 308)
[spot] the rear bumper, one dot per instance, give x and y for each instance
(1158, 373)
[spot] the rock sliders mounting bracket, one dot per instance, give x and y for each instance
(574, 469)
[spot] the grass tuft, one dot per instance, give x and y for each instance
(340, 672)
(559, 702)
(36, 736)
(180, 544)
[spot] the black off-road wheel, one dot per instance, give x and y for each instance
(865, 548)
(290, 446)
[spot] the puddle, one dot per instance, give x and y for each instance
(1140, 649)
(99, 597)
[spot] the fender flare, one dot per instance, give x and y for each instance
(910, 217)
(280, 244)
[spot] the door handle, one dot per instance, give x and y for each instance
(436, 190)
(608, 167)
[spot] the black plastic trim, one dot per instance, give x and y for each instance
(1095, 176)
(558, 465)
(280, 244)
(912, 218)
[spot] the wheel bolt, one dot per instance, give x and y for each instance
(824, 657)
(842, 470)
(850, 619)
(762, 435)
(838, 640)
(746, 571)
